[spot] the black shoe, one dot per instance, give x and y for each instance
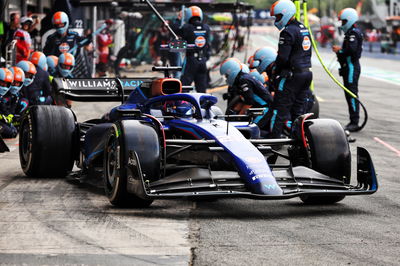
(352, 127)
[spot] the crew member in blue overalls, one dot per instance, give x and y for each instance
(7, 129)
(348, 56)
(197, 33)
(63, 39)
(16, 104)
(291, 75)
(251, 90)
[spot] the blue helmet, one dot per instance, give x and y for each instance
(349, 17)
(66, 63)
(283, 11)
(6, 79)
(52, 62)
(231, 68)
(39, 60)
(19, 78)
(179, 108)
(29, 70)
(245, 68)
(257, 76)
(193, 11)
(265, 57)
(60, 22)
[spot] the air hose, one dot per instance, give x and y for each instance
(314, 44)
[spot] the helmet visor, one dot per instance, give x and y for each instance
(278, 17)
(29, 75)
(59, 25)
(67, 67)
(5, 84)
(17, 83)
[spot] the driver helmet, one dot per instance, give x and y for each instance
(52, 62)
(283, 11)
(60, 22)
(193, 11)
(231, 68)
(178, 108)
(66, 63)
(6, 79)
(349, 17)
(39, 60)
(19, 78)
(29, 70)
(264, 57)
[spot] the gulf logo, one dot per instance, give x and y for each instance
(64, 47)
(306, 43)
(200, 41)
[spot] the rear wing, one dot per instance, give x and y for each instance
(104, 89)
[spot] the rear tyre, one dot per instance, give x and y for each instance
(123, 139)
(48, 140)
(329, 154)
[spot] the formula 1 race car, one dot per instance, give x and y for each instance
(162, 143)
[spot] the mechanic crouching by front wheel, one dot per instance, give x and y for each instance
(349, 58)
(7, 129)
(292, 76)
(16, 105)
(195, 65)
(252, 91)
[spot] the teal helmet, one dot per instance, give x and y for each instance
(283, 11)
(231, 68)
(349, 17)
(264, 57)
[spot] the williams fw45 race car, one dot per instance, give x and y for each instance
(165, 143)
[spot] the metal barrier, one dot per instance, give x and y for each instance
(11, 54)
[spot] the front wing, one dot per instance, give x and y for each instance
(294, 181)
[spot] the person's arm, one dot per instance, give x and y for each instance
(245, 90)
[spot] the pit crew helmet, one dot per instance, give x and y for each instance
(231, 68)
(252, 64)
(39, 60)
(19, 77)
(264, 57)
(179, 108)
(349, 17)
(60, 22)
(245, 68)
(66, 63)
(258, 76)
(6, 79)
(193, 11)
(283, 11)
(29, 70)
(52, 62)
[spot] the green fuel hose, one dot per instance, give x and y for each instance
(314, 45)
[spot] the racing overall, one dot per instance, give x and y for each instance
(253, 93)
(24, 43)
(16, 106)
(292, 77)
(350, 69)
(57, 44)
(194, 66)
(39, 91)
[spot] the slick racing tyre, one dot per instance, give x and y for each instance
(48, 138)
(329, 154)
(131, 158)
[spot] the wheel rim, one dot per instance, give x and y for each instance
(112, 162)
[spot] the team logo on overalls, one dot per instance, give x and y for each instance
(200, 41)
(306, 43)
(64, 47)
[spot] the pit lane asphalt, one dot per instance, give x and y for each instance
(51, 221)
